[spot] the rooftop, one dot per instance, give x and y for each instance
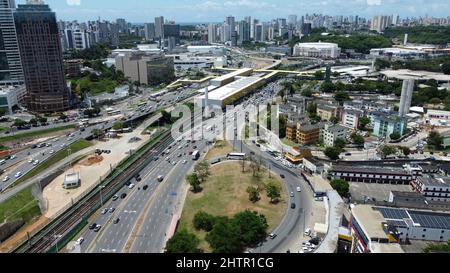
(419, 218)
(403, 74)
(434, 181)
(370, 220)
(369, 169)
(232, 88)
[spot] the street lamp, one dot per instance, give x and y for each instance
(101, 197)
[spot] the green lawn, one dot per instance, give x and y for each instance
(33, 134)
(58, 156)
(22, 205)
(96, 87)
(224, 194)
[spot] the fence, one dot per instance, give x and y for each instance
(92, 191)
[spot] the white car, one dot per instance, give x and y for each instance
(79, 241)
(12, 157)
(299, 189)
(36, 162)
(30, 160)
(131, 186)
(184, 161)
(6, 178)
(51, 152)
(18, 174)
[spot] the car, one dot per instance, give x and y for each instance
(282, 176)
(128, 183)
(123, 195)
(18, 174)
(51, 152)
(79, 241)
(184, 162)
(6, 178)
(272, 236)
(30, 160)
(111, 210)
(138, 178)
(307, 232)
(145, 187)
(160, 178)
(116, 221)
(348, 154)
(97, 228)
(115, 197)
(36, 162)
(174, 163)
(104, 211)
(180, 155)
(292, 205)
(131, 186)
(12, 157)
(92, 226)
(299, 189)
(292, 194)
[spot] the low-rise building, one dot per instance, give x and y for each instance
(326, 112)
(371, 174)
(433, 188)
(11, 96)
(72, 181)
(350, 118)
(308, 133)
(386, 124)
(330, 132)
(317, 50)
(313, 166)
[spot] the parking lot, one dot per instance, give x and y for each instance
(380, 192)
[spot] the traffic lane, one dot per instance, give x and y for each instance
(160, 214)
(135, 209)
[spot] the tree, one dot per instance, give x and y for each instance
(363, 122)
(334, 119)
(446, 68)
(42, 119)
(340, 143)
(273, 192)
(341, 186)
(225, 237)
(253, 194)
(19, 123)
(387, 150)
(183, 242)
(202, 170)
(333, 153)
(395, 136)
(307, 93)
(327, 87)
(97, 133)
(194, 181)
(357, 139)
(203, 221)
(341, 96)
(117, 125)
(252, 227)
(435, 139)
(62, 116)
(405, 150)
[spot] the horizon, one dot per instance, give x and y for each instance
(212, 11)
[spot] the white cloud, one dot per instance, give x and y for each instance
(73, 2)
(373, 2)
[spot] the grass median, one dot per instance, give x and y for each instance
(33, 134)
(22, 205)
(58, 156)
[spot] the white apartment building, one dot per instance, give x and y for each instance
(330, 132)
(350, 118)
(433, 189)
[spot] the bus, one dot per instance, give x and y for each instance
(236, 156)
(195, 155)
(84, 122)
(113, 112)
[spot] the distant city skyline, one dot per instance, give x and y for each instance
(204, 11)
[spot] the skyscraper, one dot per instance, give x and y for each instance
(405, 100)
(212, 33)
(159, 27)
(244, 32)
(10, 66)
(42, 60)
(149, 29)
(292, 20)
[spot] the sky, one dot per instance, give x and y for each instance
(183, 11)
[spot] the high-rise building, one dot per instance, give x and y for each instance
(260, 33)
(172, 30)
(244, 32)
(159, 27)
(42, 59)
(149, 29)
(10, 66)
(212, 33)
(292, 20)
(405, 100)
(122, 23)
(380, 23)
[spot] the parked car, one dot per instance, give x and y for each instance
(92, 226)
(115, 197)
(97, 228)
(131, 186)
(104, 211)
(299, 189)
(123, 195)
(79, 241)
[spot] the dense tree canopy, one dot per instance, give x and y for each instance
(183, 242)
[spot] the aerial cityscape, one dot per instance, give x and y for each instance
(234, 126)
